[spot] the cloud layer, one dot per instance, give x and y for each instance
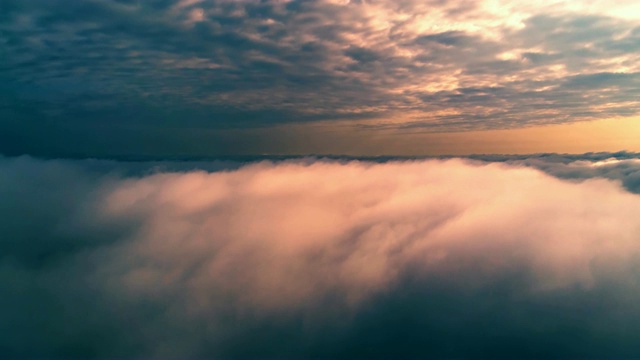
(623, 167)
(175, 68)
(315, 258)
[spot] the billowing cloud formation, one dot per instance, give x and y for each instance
(171, 66)
(315, 258)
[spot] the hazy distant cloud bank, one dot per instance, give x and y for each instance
(621, 166)
(319, 258)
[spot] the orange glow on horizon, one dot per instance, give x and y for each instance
(343, 139)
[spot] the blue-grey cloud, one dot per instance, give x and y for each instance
(135, 67)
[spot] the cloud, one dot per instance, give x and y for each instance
(134, 67)
(315, 258)
(622, 166)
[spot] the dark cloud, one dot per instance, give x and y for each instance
(318, 258)
(213, 65)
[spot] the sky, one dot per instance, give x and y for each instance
(319, 179)
(159, 78)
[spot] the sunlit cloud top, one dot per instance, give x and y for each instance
(435, 65)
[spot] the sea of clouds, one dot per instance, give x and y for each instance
(527, 256)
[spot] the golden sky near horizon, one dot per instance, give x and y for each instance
(609, 135)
